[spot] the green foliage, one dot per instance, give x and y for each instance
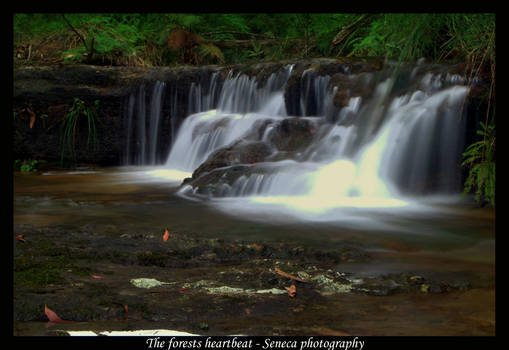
(70, 127)
(141, 38)
(27, 166)
(480, 158)
(211, 52)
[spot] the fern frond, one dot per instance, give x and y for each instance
(212, 52)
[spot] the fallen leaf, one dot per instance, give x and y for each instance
(166, 235)
(291, 290)
(21, 238)
(53, 317)
(96, 276)
(32, 117)
(284, 274)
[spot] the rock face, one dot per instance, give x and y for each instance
(49, 92)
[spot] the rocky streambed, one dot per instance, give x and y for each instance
(221, 286)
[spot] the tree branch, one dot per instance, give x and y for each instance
(347, 30)
(74, 30)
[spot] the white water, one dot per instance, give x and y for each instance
(375, 157)
(144, 137)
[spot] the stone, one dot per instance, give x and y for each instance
(147, 283)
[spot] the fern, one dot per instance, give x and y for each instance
(480, 158)
(211, 52)
(70, 127)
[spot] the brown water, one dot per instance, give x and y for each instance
(460, 241)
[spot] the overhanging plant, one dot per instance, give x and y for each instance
(70, 128)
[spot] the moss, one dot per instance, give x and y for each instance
(31, 273)
(42, 263)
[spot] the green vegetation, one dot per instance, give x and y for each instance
(480, 158)
(27, 166)
(70, 127)
(43, 263)
(169, 39)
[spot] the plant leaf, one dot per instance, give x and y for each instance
(32, 118)
(292, 290)
(284, 274)
(166, 235)
(53, 317)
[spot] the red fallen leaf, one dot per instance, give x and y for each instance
(21, 238)
(284, 274)
(96, 276)
(53, 317)
(32, 117)
(291, 290)
(166, 235)
(125, 311)
(251, 164)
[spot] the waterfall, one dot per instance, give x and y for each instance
(155, 114)
(136, 138)
(142, 141)
(400, 140)
(241, 105)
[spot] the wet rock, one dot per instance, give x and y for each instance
(232, 290)
(328, 285)
(147, 283)
(240, 152)
(292, 135)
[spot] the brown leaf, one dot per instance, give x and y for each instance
(284, 274)
(53, 317)
(291, 290)
(32, 117)
(21, 238)
(166, 235)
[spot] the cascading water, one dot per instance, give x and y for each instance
(142, 141)
(203, 133)
(379, 150)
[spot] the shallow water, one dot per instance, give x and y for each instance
(130, 198)
(450, 239)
